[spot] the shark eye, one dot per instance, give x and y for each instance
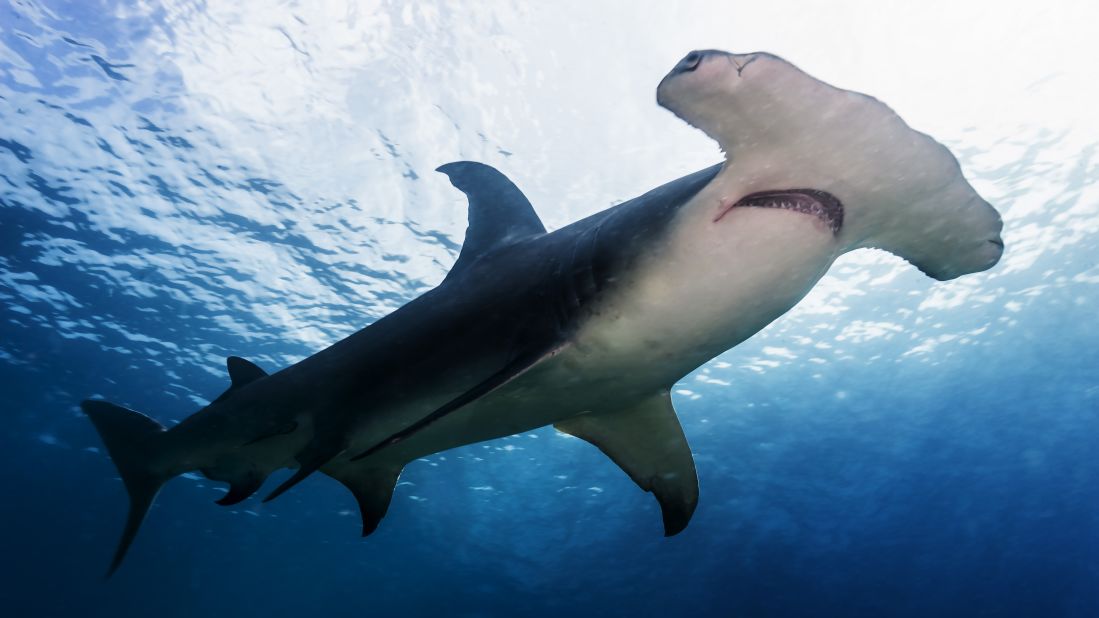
(691, 62)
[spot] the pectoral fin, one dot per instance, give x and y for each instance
(647, 442)
(372, 487)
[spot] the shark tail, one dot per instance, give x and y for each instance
(131, 439)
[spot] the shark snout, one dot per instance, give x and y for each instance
(984, 250)
(994, 250)
(994, 246)
(978, 255)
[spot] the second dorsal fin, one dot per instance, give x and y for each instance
(241, 372)
(499, 213)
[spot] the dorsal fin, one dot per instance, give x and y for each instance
(499, 213)
(241, 372)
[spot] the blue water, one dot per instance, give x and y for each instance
(182, 181)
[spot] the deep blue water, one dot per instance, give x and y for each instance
(185, 181)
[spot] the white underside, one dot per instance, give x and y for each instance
(704, 288)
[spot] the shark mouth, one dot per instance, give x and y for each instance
(820, 204)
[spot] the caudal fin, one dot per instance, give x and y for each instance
(130, 438)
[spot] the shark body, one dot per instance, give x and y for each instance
(587, 328)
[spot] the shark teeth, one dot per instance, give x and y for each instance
(820, 204)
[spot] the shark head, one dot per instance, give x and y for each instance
(801, 144)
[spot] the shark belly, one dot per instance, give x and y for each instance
(701, 289)
(557, 388)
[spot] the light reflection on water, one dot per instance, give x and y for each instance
(190, 180)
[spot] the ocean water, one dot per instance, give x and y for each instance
(181, 181)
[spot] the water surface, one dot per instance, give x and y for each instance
(181, 181)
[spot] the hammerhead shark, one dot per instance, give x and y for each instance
(588, 327)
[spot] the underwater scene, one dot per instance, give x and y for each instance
(387, 262)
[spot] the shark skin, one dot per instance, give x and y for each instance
(587, 328)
